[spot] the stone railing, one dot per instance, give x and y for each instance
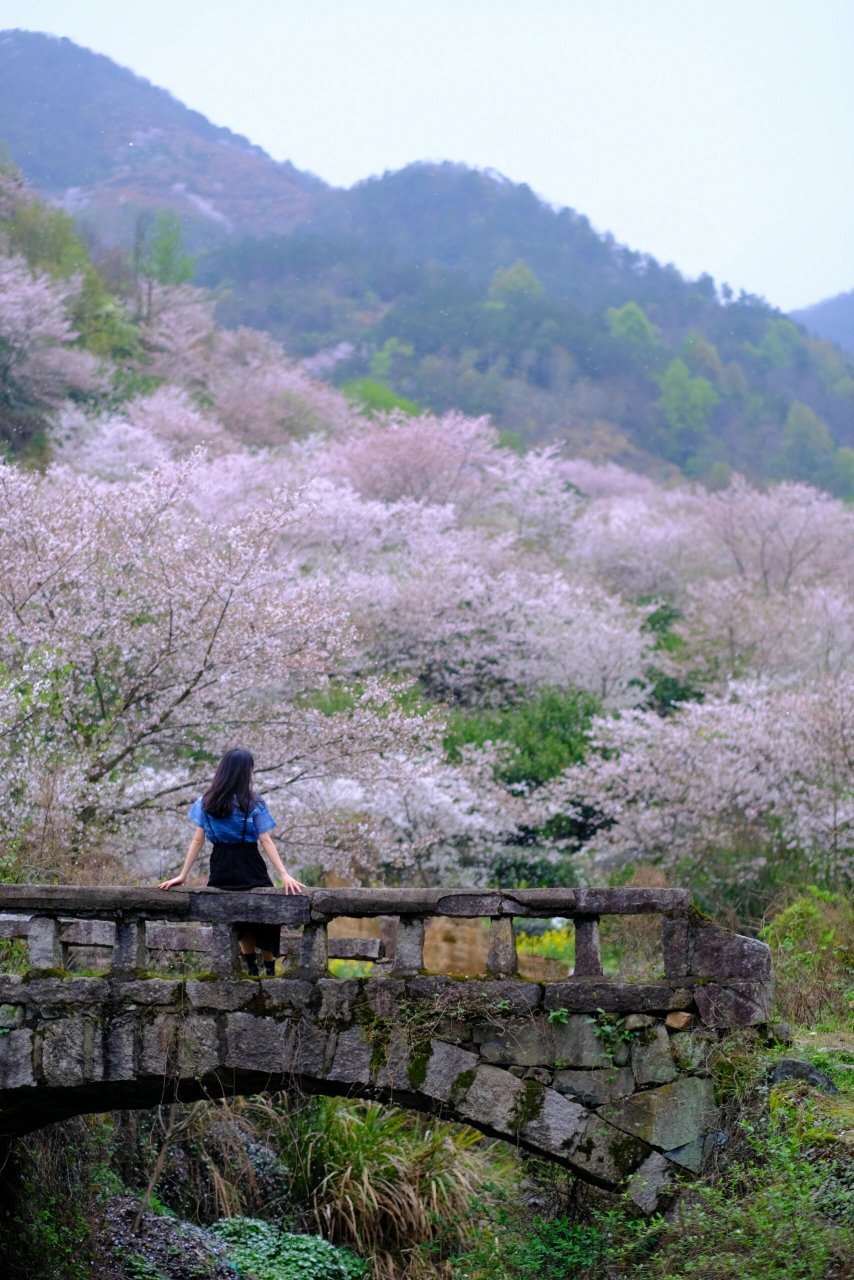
(727, 976)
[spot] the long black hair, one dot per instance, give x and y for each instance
(232, 781)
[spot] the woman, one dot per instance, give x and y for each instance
(235, 819)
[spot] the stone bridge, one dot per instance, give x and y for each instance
(607, 1077)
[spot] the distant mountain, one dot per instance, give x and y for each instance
(442, 286)
(832, 319)
(106, 143)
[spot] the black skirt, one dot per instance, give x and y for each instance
(239, 866)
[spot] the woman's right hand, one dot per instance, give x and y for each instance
(171, 884)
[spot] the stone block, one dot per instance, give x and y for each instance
(652, 1061)
(409, 952)
(516, 1043)
(595, 1087)
(494, 1100)
(58, 992)
(669, 1116)
(44, 943)
(11, 1015)
(586, 995)
(588, 956)
(396, 1058)
(446, 1066)
(308, 1046)
(63, 1052)
(12, 987)
(150, 991)
(384, 996)
(690, 1051)
(336, 1000)
(16, 1060)
(118, 1051)
(286, 995)
(501, 955)
(259, 906)
(676, 942)
(198, 1046)
(557, 1125)
(691, 1155)
(223, 995)
(738, 1004)
(158, 1053)
(719, 953)
(356, 949)
(604, 1153)
(638, 1021)
(474, 997)
(650, 1182)
(314, 952)
(256, 1044)
(129, 950)
(352, 1061)
(576, 1043)
(678, 1021)
(224, 950)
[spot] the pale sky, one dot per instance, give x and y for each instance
(713, 135)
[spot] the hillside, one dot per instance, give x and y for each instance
(832, 319)
(441, 286)
(107, 143)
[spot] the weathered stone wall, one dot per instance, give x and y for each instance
(610, 1097)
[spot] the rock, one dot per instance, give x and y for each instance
(337, 1000)
(739, 1004)
(148, 990)
(198, 1046)
(11, 1015)
(118, 1052)
(580, 995)
(794, 1069)
(16, 1060)
(395, 1070)
(224, 994)
(384, 997)
(638, 1021)
(576, 1043)
(690, 1155)
(678, 1021)
(352, 1061)
(652, 1061)
(558, 1124)
(64, 1052)
(409, 953)
(445, 1067)
(650, 1182)
(472, 997)
(159, 1046)
(669, 1116)
(257, 1044)
(781, 1032)
(494, 1099)
(675, 941)
(520, 1044)
(690, 1051)
(285, 996)
(593, 1088)
(718, 953)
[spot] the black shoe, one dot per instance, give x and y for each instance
(270, 968)
(251, 962)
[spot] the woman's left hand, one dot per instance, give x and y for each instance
(290, 885)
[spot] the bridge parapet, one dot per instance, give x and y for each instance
(609, 1077)
(724, 975)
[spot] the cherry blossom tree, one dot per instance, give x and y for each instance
(39, 365)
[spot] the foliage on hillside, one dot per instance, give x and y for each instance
(460, 290)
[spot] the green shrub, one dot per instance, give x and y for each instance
(258, 1250)
(812, 942)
